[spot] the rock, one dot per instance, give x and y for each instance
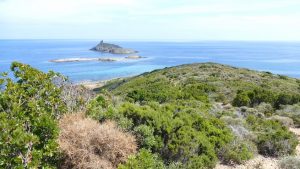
(84, 60)
(111, 48)
(107, 59)
(134, 57)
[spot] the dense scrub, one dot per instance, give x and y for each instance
(176, 133)
(172, 109)
(190, 116)
(224, 82)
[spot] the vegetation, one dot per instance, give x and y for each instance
(189, 116)
(161, 99)
(273, 139)
(29, 107)
(290, 162)
(237, 152)
(87, 144)
(292, 111)
(143, 160)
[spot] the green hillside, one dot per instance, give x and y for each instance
(190, 116)
(220, 82)
(235, 112)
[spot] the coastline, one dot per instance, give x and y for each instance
(95, 84)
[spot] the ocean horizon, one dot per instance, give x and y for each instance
(276, 57)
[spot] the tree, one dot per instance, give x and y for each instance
(30, 105)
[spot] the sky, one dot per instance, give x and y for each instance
(151, 20)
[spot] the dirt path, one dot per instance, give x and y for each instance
(260, 162)
(297, 132)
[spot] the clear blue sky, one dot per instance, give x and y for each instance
(161, 20)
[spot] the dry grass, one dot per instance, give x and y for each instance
(88, 144)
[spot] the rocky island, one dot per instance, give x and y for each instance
(111, 48)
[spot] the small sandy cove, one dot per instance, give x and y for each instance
(91, 85)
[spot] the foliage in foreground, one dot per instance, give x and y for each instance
(143, 160)
(29, 107)
(175, 132)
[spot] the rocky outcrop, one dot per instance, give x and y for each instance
(134, 57)
(111, 48)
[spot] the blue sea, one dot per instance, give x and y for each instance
(276, 57)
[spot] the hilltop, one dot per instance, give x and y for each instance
(226, 80)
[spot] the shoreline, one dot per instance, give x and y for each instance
(94, 84)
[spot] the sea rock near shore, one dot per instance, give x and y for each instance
(111, 48)
(134, 57)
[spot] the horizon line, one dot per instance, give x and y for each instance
(152, 40)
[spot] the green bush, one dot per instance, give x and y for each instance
(177, 134)
(241, 99)
(154, 89)
(258, 95)
(237, 152)
(273, 139)
(29, 106)
(143, 160)
(145, 136)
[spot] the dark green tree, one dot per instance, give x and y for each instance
(30, 105)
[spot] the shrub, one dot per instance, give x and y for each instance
(273, 139)
(180, 134)
(237, 152)
(74, 96)
(292, 111)
(290, 163)
(29, 106)
(145, 136)
(154, 89)
(286, 99)
(285, 121)
(88, 144)
(143, 160)
(265, 108)
(241, 99)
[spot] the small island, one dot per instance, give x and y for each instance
(111, 48)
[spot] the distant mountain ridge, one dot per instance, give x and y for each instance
(112, 48)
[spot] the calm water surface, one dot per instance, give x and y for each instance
(277, 57)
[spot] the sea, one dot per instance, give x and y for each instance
(276, 57)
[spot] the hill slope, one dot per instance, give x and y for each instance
(194, 115)
(225, 80)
